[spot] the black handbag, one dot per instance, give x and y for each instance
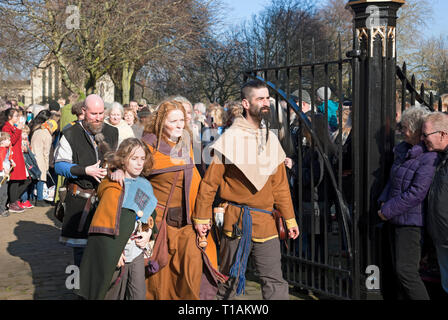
(59, 211)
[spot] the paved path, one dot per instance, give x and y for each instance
(33, 262)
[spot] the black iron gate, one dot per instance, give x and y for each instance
(321, 259)
(339, 252)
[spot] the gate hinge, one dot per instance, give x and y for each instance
(354, 54)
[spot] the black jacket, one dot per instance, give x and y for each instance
(437, 216)
(84, 153)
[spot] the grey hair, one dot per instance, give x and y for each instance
(182, 99)
(414, 117)
(115, 105)
(201, 107)
(438, 120)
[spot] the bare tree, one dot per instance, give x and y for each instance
(431, 64)
(112, 36)
(160, 32)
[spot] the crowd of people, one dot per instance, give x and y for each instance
(138, 205)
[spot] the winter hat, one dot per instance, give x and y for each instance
(305, 96)
(321, 93)
(54, 106)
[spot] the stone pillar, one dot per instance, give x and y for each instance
(374, 67)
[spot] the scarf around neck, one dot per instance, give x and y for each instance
(247, 149)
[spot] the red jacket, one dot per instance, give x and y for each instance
(18, 173)
(3, 152)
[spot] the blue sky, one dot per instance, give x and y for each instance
(240, 10)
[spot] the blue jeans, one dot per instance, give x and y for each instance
(40, 190)
(442, 257)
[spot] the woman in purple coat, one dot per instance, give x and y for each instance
(402, 202)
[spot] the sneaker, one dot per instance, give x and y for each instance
(42, 203)
(4, 214)
(26, 205)
(15, 207)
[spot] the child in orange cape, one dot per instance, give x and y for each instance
(113, 264)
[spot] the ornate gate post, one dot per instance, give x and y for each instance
(374, 67)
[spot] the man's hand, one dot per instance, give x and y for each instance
(118, 176)
(293, 233)
(96, 172)
(202, 229)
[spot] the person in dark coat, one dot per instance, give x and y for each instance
(78, 158)
(435, 136)
(402, 202)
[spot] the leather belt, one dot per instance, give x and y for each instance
(78, 191)
(90, 195)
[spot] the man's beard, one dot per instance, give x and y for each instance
(264, 116)
(93, 128)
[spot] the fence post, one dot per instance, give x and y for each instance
(374, 111)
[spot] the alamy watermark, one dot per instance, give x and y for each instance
(73, 20)
(373, 279)
(72, 281)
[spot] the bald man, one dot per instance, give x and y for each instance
(78, 157)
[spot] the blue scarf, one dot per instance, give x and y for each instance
(139, 196)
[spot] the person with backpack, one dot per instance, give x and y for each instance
(41, 145)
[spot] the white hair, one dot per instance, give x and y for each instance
(414, 117)
(115, 106)
(201, 107)
(182, 99)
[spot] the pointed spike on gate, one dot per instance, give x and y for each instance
(404, 68)
(276, 56)
(313, 50)
(440, 105)
(255, 59)
(422, 91)
(431, 100)
(300, 51)
(339, 46)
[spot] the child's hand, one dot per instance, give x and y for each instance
(144, 240)
(121, 261)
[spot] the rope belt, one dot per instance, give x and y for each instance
(238, 269)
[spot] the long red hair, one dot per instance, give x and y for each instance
(158, 118)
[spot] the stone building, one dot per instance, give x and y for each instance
(46, 84)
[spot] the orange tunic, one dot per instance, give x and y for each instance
(235, 187)
(181, 277)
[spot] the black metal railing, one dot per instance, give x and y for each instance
(408, 94)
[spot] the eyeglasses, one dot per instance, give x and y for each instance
(426, 135)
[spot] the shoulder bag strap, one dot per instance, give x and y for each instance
(173, 186)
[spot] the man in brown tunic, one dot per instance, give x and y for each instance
(248, 167)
